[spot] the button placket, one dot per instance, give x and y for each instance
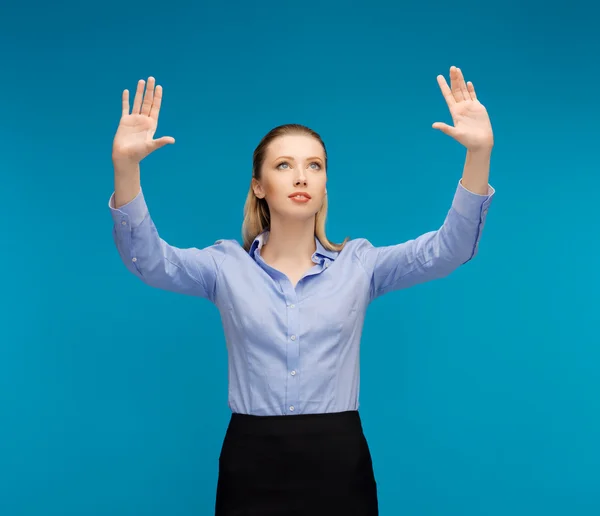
(292, 347)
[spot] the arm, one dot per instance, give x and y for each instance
(476, 171)
(142, 250)
(432, 255)
(436, 254)
(127, 182)
(145, 254)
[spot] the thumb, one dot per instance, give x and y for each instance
(161, 142)
(445, 128)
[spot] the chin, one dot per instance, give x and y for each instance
(297, 213)
(290, 209)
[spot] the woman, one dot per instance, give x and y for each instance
(293, 303)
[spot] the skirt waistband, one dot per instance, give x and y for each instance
(328, 423)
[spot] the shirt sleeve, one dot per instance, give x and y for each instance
(432, 255)
(189, 271)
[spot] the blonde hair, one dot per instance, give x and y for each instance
(257, 217)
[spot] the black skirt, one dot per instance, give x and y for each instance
(307, 464)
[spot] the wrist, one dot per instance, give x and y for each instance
(476, 171)
(125, 166)
(481, 152)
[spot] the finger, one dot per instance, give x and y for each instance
(454, 84)
(161, 142)
(149, 97)
(137, 101)
(154, 112)
(462, 85)
(446, 92)
(445, 128)
(125, 103)
(471, 90)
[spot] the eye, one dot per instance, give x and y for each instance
(282, 163)
(318, 165)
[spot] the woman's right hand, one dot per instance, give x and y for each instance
(134, 139)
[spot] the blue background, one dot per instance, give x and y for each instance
(480, 392)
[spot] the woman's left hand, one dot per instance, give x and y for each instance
(472, 127)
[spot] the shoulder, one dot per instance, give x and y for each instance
(230, 243)
(356, 246)
(357, 249)
(225, 248)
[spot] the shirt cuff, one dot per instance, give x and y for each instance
(132, 213)
(472, 205)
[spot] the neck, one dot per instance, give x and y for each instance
(290, 241)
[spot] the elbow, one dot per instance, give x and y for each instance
(472, 253)
(458, 244)
(452, 255)
(132, 262)
(146, 262)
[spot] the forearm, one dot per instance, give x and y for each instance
(127, 182)
(154, 261)
(476, 172)
(434, 254)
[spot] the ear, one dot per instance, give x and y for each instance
(257, 189)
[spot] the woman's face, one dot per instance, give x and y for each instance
(293, 177)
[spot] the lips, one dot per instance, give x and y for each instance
(299, 196)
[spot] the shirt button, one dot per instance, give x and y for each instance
(292, 306)
(293, 373)
(293, 337)
(326, 264)
(123, 223)
(134, 259)
(292, 408)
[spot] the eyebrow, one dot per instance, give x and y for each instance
(292, 159)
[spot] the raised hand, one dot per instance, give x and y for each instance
(134, 139)
(472, 127)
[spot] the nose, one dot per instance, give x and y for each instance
(300, 179)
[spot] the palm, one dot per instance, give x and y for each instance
(472, 127)
(134, 135)
(134, 139)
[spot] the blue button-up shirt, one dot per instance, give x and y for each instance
(296, 350)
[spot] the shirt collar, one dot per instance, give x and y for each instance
(258, 242)
(262, 238)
